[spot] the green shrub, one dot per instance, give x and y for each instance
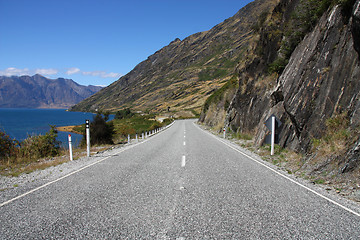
(7, 146)
(101, 132)
(125, 113)
(219, 94)
(167, 121)
(40, 146)
(209, 74)
(303, 20)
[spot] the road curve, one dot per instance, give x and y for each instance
(180, 184)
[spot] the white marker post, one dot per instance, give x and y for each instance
(273, 124)
(70, 148)
(272, 134)
(128, 138)
(136, 137)
(87, 123)
(224, 132)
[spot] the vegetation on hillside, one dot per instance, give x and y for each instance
(218, 95)
(302, 21)
(135, 124)
(338, 136)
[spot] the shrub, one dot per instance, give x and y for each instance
(125, 113)
(7, 146)
(219, 94)
(303, 20)
(40, 146)
(101, 132)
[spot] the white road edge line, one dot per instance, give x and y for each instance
(72, 173)
(282, 175)
(79, 170)
(183, 161)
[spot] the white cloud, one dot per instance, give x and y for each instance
(15, 72)
(49, 71)
(73, 70)
(102, 74)
(20, 72)
(112, 75)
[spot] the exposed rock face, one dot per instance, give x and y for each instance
(355, 27)
(40, 92)
(321, 80)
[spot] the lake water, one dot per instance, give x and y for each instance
(19, 123)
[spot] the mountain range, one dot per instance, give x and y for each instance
(40, 92)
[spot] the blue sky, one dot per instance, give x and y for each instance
(97, 41)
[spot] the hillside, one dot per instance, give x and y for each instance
(297, 59)
(307, 73)
(40, 92)
(184, 73)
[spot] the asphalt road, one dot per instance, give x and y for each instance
(180, 184)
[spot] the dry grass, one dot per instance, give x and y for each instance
(14, 170)
(68, 129)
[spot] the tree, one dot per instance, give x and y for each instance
(101, 132)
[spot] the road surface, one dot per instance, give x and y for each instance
(182, 183)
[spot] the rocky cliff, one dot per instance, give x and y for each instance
(314, 92)
(40, 92)
(184, 73)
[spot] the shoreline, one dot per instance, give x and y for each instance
(68, 129)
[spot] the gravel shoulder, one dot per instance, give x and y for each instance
(350, 199)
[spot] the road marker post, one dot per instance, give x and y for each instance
(273, 123)
(224, 133)
(272, 134)
(70, 148)
(136, 138)
(128, 138)
(87, 124)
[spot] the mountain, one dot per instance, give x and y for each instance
(184, 73)
(296, 59)
(40, 92)
(307, 73)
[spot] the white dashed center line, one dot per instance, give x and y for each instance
(183, 161)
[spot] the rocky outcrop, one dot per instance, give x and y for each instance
(355, 26)
(40, 92)
(321, 81)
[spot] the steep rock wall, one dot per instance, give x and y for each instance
(321, 80)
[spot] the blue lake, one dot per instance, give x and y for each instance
(20, 123)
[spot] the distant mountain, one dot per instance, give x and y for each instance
(40, 92)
